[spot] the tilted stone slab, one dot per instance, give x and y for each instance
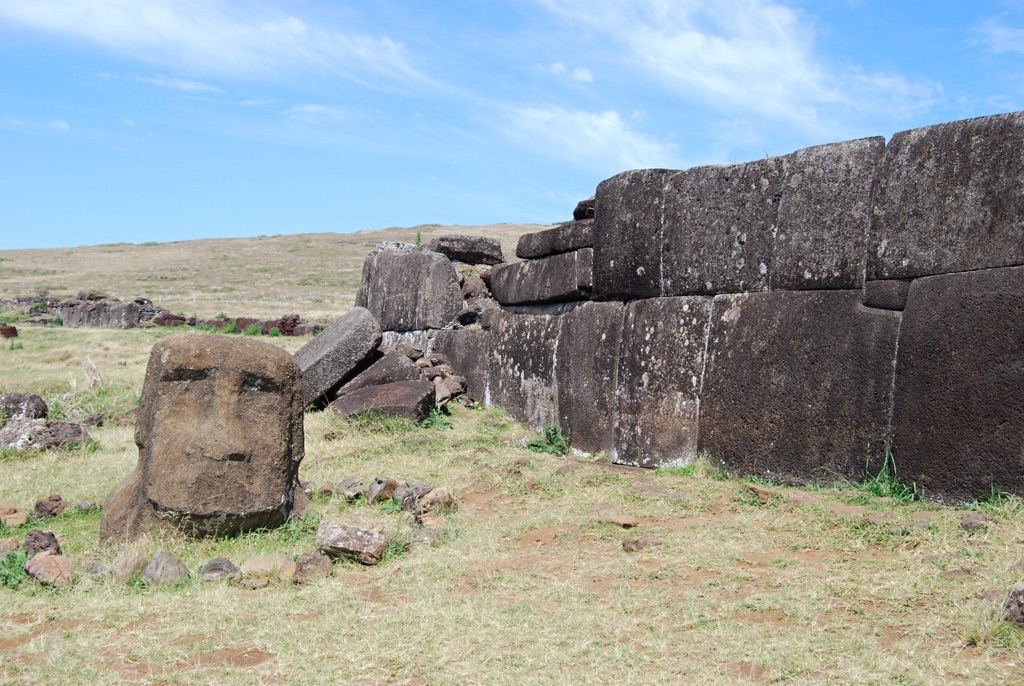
(959, 410)
(798, 384)
(559, 278)
(586, 371)
(410, 291)
(661, 362)
(466, 350)
(468, 249)
(564, 238)
(336, 352)
(822, 232)
(628, 236)
(376, 370)
(412, 400)
(522, 367)
(719, 225)
(950, 198)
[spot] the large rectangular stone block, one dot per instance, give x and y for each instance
(627, 235)
(408, 291)
(466, 350)
(335, 353)
(564, 238)
(950, 198)
(719, 225)
(959, 410)
(586, 368)
(661, 362)
(558, 278)
(824, 216)
(522, 367)
(798, 384)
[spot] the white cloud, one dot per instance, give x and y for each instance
(184, 85)
(239, 40)
(128, 122)
(601, 140)
(60, 125)
(582, 74)
(752, 56)
(318, 114)
(1000, 38)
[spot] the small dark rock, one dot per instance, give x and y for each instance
(312, 566)
(218, 569)
(584, 209)
(37, 541)
(635, 545)
(51, 506)
(977, 522)
(165, 568)
(1013, 608)
(409, 493)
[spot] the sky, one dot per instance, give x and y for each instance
(132, 121)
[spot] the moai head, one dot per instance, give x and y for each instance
(220, 437)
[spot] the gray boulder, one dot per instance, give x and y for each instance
(341, 540)
(165, 568)
(412, 400)
(410, 291)
(560, 278)
(21, 406)
(468, 249)
(32, 434)
(336, 352)
(384, 369)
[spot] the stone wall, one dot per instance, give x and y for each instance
(790, 317)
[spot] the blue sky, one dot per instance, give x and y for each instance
(133, 121)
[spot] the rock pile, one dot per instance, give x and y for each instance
(24, 425)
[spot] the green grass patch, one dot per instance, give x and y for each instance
(553, 441)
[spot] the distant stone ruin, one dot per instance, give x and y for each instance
(220, 438)
(797, 317)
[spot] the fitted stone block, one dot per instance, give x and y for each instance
(336, 352)
(628, 236)
(959, 411)
(410, 291)
(661, 362)
(822, 231)
(890, 294)
(719, 225)
(466, 350)
(559, 278)
(522, 367)
(950, 198)
(798, 385)
(376, 370)
(586, 371)
(564, 238)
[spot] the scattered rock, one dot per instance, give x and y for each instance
(51, 506)
(312, 566)
(256, 583)
(436, 501)
(308, 487)
(341, 540)
(38, 434)
(87, 506)
(165, 568)
(12, 516)
(382, 488)
(326, 490)
(287, 572)
(37, 541)
(413, 352)
(8, 545)
(265, 565)
(977, 522)
(8, 331)
(446, 388)
(21, 406)
(635, 545)
(429, 528)
(376, 371)
(625, 521)
(218, 569)
(50, 569)
(352, 488)
(408, 494)
(1013, 608)
(763, 495)
(127, 566)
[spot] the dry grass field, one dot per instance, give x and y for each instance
(743, 583)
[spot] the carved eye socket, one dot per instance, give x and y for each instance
(256, 384)
(184, 374)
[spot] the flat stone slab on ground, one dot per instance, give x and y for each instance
(341, 540)
(412, 400)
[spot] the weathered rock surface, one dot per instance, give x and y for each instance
(382, 369)
(39, 434)
(466, 350)
(220, 437)
(719, 225)
(890, 294)
(107, 312)
(408, 494)
(1013, 608)
(127, 566)
(586, 373)
(410, 399)
(522, 367)
(352, 488)
(13, 516)
(628, 235)
(959, 410)
(37, 541)
(341, 540)
(437, 501)
(265, 565)
(312, 566)
(165, 568)
(823, 219)
(410, 291)
(468, 249)
(798, 384)
(8, 331)
(21, 406)
(380, 489)
(950, 198)
(50, 569)
(219, 569)
(584, 209)
(564, 238)
(337, 352)
(659, 381)
(51, 506)
(559, 278)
